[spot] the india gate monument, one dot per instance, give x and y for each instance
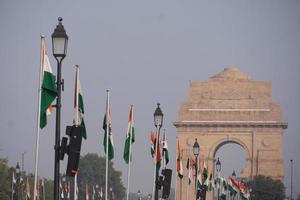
(231, 107)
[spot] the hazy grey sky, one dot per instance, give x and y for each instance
(145, 52)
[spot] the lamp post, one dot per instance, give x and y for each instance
(18, 173)
(218, 168)
(139, 195)
(291, 197)
(196, 150)
(158, 122)
(59, 49)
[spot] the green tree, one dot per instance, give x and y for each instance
(92, 173)
(266, 188)
(5, 180)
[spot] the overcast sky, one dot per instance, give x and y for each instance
(145, 52)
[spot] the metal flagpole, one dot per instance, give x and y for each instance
(176, 169)
(76, 97)
(130, 139)
(188, 185)
(75, 186)
(43, 188)
(107, 135)
(43, 48)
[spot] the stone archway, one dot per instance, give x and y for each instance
(231, 107)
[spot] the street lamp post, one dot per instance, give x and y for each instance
(196, 150)
(59, 48)
(158, 122)
(218, 168)
(18, 173)
(291, 180)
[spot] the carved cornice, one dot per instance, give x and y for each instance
(238, 124)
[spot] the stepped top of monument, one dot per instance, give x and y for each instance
(232, 73)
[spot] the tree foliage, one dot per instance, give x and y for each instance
(5, 184)
(266, 188)
(92, 173)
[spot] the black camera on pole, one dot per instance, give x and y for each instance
(73, 149)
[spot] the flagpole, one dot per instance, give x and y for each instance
(155, 161)
(76, 97)
(188, 186)
(176, 170)
(75, 186)
(130, 139)
(107, 135)
(38, 114)
(12, 186)
(43, 188)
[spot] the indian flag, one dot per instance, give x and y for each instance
(152, 142)
(78, 105)
(165, 152)
(189, 165)
(47, 86)
(210, 183)
(107, 127)
(233, 187)
(204, 174)
(130, 137)
(179, 162)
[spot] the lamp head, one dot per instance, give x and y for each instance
(158, 117)
(59, 41)
(218, 165)
(196, 148)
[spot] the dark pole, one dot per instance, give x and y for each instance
(196, 169)
(291, 180)
(57, 131)
(59, 47)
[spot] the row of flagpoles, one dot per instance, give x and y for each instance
(206, 180)
(46, 95)
(65, 189)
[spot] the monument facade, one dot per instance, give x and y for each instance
(231, 108)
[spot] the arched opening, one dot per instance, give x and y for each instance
(233, 157)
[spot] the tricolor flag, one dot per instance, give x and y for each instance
(152, 142)
(204, 174)
(130, 137)
(199, 175)
(189, 166)
(165, 152)
(232, 187)
(153, 148)
(224, 186)
(47, 87)
(179, 162)
(107, 127)
(211, 184)
(78, 105)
